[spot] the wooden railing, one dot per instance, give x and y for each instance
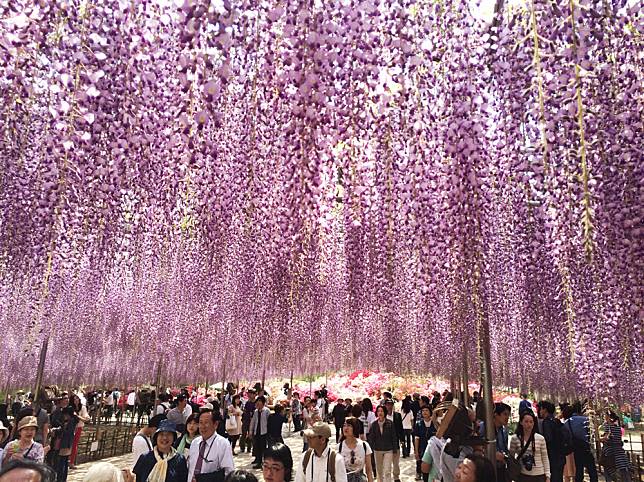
(105, 441)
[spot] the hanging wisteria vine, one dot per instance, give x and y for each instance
(231, 186)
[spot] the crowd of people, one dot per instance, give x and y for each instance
(187, 441)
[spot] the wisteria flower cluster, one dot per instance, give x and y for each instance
(216, 188)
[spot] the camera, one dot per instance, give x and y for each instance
(528, 461)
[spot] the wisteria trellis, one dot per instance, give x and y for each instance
(322, 185)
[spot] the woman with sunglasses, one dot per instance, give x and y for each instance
(278, 463)
(356, 452)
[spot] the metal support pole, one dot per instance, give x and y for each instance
(41, 369)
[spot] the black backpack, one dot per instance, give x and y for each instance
(565, 438)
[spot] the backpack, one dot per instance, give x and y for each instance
(147, 441)
(579, 439)
(566, 439)
(330, 464)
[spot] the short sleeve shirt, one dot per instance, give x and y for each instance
(355, 462)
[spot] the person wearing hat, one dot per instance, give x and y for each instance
(163, 463)
(142, 442)
(25, 447)
(320, 463)
(4, 433)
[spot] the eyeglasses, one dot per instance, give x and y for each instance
(353, 457)
(272, 468)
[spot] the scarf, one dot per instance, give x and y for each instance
(160, 469)
(182, 444)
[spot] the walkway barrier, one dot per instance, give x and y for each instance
(105, 441)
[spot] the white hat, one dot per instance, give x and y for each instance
(4, 429)
(206, 406)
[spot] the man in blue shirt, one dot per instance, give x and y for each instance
(557, 439)
(579, 427)
(501, 418)
(525, 405)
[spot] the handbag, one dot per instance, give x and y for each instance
(514, 464)
(606, 460)
(231, 423)
(216, 476)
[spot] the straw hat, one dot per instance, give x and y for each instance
(27, 422)
(319, 429)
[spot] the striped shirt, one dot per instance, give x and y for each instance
(539, 451)
(614, 445)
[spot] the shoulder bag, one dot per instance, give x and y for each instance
(514, 464)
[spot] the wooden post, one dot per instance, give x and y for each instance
(41, 369)
(466, 393)
(157, 384)
(263, 377)
(222, 407)
(488, 400)
(289, 398)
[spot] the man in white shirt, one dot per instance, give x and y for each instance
(316, 463)
(142, 443)
(396, 419)
(131, 400)
(109, 405)
(259, 431)
(163, 406)
(209, 452)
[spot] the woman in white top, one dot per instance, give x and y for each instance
(355, 452)
(530, 448)
(407, 425)
(81, 413)
(367, 417)
(233, 422)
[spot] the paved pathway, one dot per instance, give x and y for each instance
(243, 461)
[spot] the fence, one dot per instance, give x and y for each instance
(104, 441)
(634, 446)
